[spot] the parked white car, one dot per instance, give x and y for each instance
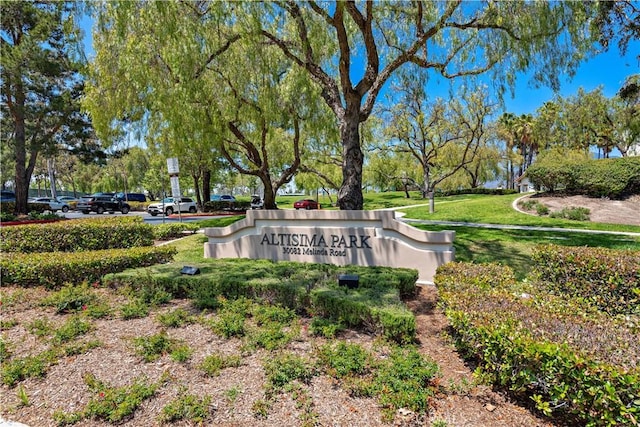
(54, 205)
(170, 205)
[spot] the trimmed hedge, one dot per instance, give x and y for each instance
(173, 230)
(606, 278)
(42, 269)
(380, 311)
(615, 178)
(574, 364)
(375, 305)
(8, 207)
(77, 235)
(490, 191)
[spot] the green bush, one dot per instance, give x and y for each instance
(555, 169)
(285, 368)
(7, 208)
(189, 407)
(173, 230)
(572, 213)
(575, 364)
(34, 269)
(152, 347)
(112, 404)
(77, 235)
(561, 170)
(344, 359)
(214, 363)
(607, 278)
(16, 370)
(380, 310)
(313, 288)
(614, 178)
(70, 298)
(71, 329)
(491, 191)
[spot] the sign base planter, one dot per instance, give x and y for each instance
(366, 238)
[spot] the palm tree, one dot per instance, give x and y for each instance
(507, 133)
(526, 142)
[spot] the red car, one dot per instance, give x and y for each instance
(306, 204)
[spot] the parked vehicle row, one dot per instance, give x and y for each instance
(112, 202)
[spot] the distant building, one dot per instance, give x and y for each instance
(524, 186)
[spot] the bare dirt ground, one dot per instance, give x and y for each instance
(461, 402)
(602, 210)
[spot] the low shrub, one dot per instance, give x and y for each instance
(344, 359)
(379, 310)
(615, 178)
(77, 235)
(325, 327)
(571, 172)
(607, 278)
(42, 269)
(173, 230)
(491, 191)
(6, 215)
(7, 208)
(313, 288)
(71, 329)
(111, 404)
(70, 298)
(16, 370)
(286, 368)
(134, 309)
(573, 213)
(190, 407)
(152, 347)
(214, 363)
(575, 364)
(175, 318)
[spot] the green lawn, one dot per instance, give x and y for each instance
(476, 208)
(508, 247)
(498, 210)
(513, 247)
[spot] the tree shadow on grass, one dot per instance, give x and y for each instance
(484, 251)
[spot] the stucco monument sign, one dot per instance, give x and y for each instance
(368, 238)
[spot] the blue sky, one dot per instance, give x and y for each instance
(609, 70)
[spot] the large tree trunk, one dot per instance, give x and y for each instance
(196, 187)
(269, 195)
(350, 194)
(22, 183)
(206, 185)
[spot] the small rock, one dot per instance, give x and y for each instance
(489, 407)
(404, 412)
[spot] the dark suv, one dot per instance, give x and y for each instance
(102, 204)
